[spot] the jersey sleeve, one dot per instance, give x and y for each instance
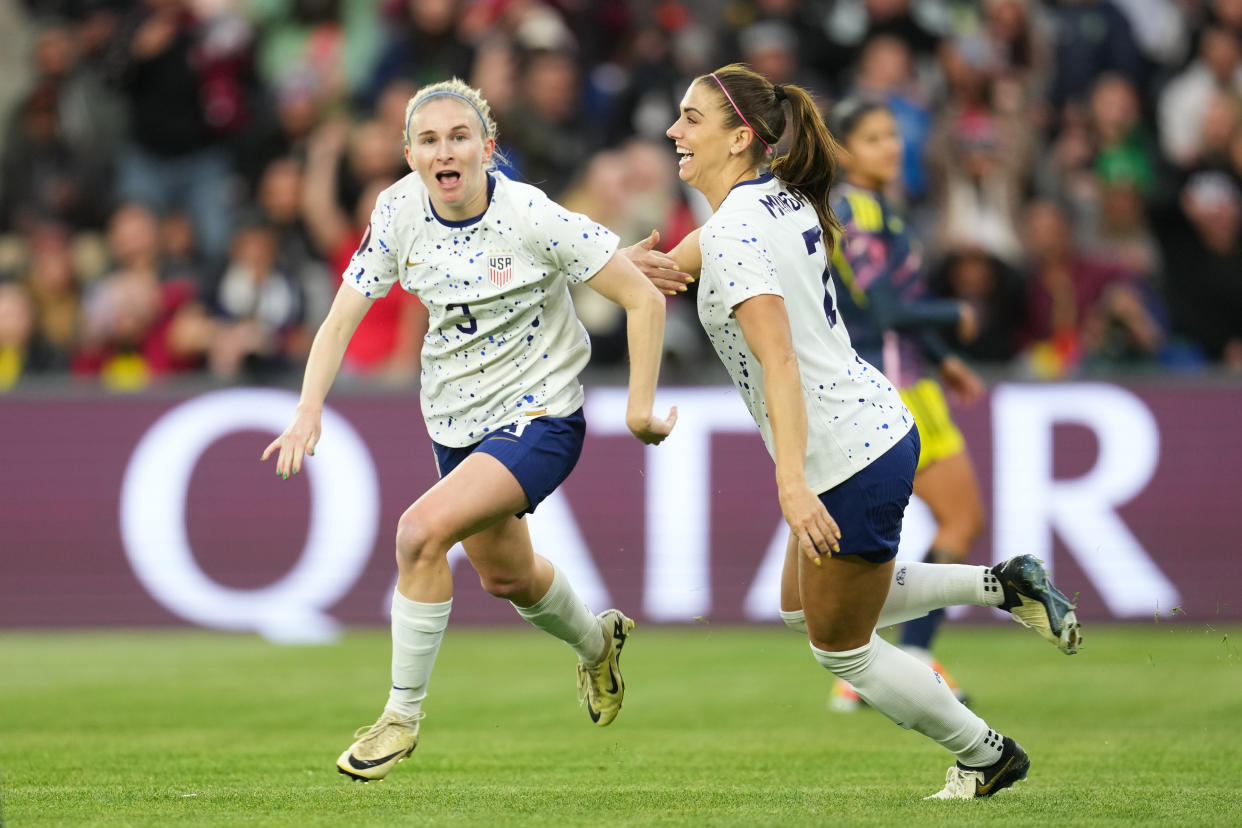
(740, 263)
(373, 268)
(570, 242)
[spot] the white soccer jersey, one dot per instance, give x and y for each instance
(767, 239)
(503, 340)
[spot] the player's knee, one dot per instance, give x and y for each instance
(507, 585)
(418, 537)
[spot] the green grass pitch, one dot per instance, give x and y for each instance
(722, 726)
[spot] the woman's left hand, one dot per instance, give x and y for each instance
(652, 429)
(808, 518)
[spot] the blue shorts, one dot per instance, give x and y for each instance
(869, 506)
(539, 451)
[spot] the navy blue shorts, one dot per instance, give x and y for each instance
(539, 451)
(869, 506)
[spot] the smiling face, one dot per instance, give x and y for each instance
(714, 156)
(873, 150)
(449, 152)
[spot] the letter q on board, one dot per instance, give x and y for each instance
(344, 518)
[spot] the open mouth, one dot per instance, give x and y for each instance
(448, 179)
(685, 154)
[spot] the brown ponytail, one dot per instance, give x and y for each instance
(748, 99)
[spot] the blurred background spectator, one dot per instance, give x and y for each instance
(182, 181)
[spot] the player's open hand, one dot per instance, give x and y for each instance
(808, 519)
(659, 267)
(652, 429)
(963, 384)
(298, 440)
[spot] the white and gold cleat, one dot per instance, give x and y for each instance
(379, 747)
(600, 685)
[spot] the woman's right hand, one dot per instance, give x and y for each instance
(298, 440)
(660, 268)
(816, 530)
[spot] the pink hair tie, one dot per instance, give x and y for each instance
(766, 145)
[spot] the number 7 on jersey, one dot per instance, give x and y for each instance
(812, 237)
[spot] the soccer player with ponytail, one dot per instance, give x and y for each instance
(844, 444)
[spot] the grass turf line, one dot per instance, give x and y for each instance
(722, 726)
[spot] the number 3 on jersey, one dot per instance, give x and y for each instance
(472, 324)
(812, 237)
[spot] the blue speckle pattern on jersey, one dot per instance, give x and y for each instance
(760, 243)
(503, 338)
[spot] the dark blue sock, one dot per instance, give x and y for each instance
(921, 631)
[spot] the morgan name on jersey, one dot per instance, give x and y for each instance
(503, 340)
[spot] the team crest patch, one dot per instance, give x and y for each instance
(500, 268)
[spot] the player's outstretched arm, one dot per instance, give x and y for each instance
(621, 281)
(765, 326)
(669, 272)
(324, 361)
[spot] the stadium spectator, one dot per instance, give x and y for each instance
(43, 177)
(548, 139)
(1160, 28)
(1018, 44)
(279, 203)
(1092, 37)
(260, 308)
(138, 330)
(1119, 230)
(1201, 242)
(17, 333)
(387, 341)
(330, 44)
(1081, 310)
(996, 292)
(1186, 99)
(980, 161)
(886, 72)
(184, 81)
(54, 289)
(852, 23)
(423, 46)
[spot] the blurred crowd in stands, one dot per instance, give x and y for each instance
(183, 181)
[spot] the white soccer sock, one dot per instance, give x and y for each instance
(919, 588)
(561, 613)
(912, 694)
(795, 620)
(417, 630)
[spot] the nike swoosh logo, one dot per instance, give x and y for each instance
(984, 789)
(612, 674)
(408, 263)
(365, 764)
(618, 632)
(592, 712)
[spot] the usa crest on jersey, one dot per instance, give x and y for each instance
(500, 268)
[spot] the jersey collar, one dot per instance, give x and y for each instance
(491, 189)
(762, 179)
